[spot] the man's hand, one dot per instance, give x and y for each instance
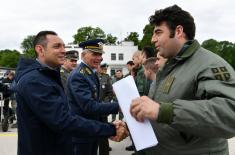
(121, 131)
(143, 107)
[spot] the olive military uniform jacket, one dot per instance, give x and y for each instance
(64, 74)
(106, 89)
(196, 91)
(142, 83)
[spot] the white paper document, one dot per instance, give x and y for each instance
(142, 133)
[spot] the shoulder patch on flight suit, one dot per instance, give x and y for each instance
(221, 73)
(167, 84)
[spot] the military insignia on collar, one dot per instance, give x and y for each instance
(221, 73)
(61, 71)
(85, 70)
(88, 70)
(167, 84)
(81, 71)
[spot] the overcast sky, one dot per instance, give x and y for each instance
(20, 18)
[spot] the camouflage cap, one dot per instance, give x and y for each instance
(72, 54)
(104, 65)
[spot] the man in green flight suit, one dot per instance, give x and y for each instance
(192, 107)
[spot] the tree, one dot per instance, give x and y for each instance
(87, 33)
(146, 40)
(133, 36)
(224, 49)
(27, 46)
(111, 39)
(9, 58)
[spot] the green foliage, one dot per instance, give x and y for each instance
(224, 49)
(111, 39)
(9, 58)
(146, 40)
(87, 33)
(27, 46)
(133, 36)
(29, 53)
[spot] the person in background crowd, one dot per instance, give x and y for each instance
(129, 66)
(7, 111)
(150, 68)
(118, 76)
(69, 64)
(106, 95)
(148, 52)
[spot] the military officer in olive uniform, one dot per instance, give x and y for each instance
(84, 94)
(106, 95)
(69, 64)
(192, 107)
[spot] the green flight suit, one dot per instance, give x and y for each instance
(196, 91)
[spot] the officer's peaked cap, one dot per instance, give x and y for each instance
(95, 45)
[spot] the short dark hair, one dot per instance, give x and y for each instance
(150, 64)
(130, 63)
(174, 16)
(149, 51)
(40, 38)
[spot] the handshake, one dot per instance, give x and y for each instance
(121, 131)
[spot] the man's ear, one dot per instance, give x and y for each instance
(179, 31)
(39, 50)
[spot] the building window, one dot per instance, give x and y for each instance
(113, 56)
(120, 56)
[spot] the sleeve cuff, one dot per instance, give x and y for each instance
(165, 114)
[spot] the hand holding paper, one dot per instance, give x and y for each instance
(143, 107)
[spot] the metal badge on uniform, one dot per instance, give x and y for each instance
(95, 93)
(221, 73)
(167, 84)
(103, 86)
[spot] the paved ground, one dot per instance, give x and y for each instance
(8, 144)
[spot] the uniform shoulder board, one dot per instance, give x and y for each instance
(84, 70)
(221, 73)
(61, 71)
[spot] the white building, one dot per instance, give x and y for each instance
(116, 56)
